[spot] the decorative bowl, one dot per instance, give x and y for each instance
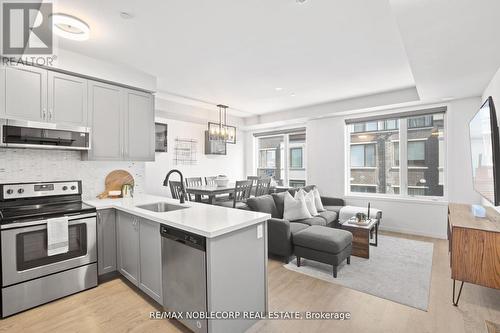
(221, 182)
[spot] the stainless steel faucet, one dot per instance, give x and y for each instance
(183, 189)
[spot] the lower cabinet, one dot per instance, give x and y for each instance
(150, 259)
(139, 253)
(106, 241)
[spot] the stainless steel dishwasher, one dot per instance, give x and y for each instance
(184, 274)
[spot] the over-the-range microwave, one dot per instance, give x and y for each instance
(31, 134)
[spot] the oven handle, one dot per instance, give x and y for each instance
(42, 222)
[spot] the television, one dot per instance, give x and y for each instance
(485, 152)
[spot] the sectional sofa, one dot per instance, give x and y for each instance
(281, 231)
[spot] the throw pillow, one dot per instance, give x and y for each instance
(309, 198)
(317, 200)
(295, 209)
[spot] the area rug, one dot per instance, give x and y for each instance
(398, 270)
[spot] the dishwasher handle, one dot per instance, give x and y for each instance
(183, 237)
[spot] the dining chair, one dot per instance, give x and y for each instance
(193, 182)
(254, 180)
(176, 189)
(242, 191)
(263, 186)
(210, 181)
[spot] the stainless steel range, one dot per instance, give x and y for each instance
(48, 243)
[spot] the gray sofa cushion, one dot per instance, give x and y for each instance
(316, 220)
(279, 201)
(297, 227)
(264, 204)
(329, 216)
(323, 239)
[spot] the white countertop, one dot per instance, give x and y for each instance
(202, 219)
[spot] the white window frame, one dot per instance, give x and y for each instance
(286, 155)
(403, 164)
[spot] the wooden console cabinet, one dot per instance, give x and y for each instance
(474, 245)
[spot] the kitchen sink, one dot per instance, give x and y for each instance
(161, 207)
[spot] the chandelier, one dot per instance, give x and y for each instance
(221, 131)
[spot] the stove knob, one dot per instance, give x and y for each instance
(10, 191)
(20, 191)
(64, 188)
(73, 187)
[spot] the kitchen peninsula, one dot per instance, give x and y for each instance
(187, 257)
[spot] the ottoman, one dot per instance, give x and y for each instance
(327, 245)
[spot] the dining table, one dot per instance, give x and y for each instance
(211, 191)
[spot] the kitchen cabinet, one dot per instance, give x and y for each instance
(139, 253)
(23, 93)
(128, 247)
(122, 123)
(150, 259)
(139, 126)
(105, 119)
(67, 99)
(106, 241)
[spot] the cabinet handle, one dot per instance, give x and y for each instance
(44, 114)
(98, 218)
(50, 114)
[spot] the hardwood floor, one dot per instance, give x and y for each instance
(115, 307)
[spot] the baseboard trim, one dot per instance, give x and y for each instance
(411, 232)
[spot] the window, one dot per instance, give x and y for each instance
(296, 158)
(381, 163)
(416, 154)
(296, 183)
(283, 156)
(363, 155)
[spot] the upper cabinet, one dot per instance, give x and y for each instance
(23, 93)
(67, 99)
(36, 94)
(122, 123)
(106, 122)
(139, 126)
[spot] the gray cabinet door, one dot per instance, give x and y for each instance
(128, 247)
(139, 126)
(150, 259)
(105, 119)
(24, 93)
(106, 241)
(67, 99)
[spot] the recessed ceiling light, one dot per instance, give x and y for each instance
(70, 27)
(126, 15)
(278, 89)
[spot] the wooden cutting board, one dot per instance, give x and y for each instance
(114, 182)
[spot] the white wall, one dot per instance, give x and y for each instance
(326, 168)
(231, 165)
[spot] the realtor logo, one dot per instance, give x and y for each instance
(27, 28)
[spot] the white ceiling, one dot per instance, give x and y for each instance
(453, 45)
(237, 52)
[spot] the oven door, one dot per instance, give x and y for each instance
(24, 249)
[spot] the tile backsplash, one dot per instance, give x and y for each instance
(26, 165)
